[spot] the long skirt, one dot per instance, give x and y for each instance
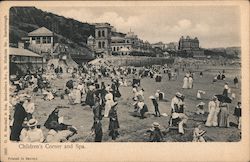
(190, 84)
(113, 128)
(113, 124)
(223, 117)
(185, 84)
(107, 107)
(16, 131)
(77, 97)
(98, 138)
(212, 119)
(225, 92)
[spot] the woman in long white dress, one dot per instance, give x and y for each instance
(109, 103)
(185, 82)
(213, 109)
(190, 82)
(77, 93)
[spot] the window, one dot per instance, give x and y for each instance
(44, 40)
(103, 44)
(99, 45)
(49, 39)
(33, 38)
(113, 48)
(99, 33)
(24, 59)
(103, 33)
(32, 59)
(37, 40)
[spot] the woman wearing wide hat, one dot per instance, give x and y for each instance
(225, 91)
(34, 134)
(237, 113)
(19, 116)
(185, 82)
(97, 111)
(156, 134)
(55, 134)
(54, 117)
(213, 109)
(156, 106)
(224, 114)
(109, 102)
(113, 122)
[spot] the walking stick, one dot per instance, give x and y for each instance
(87, 136)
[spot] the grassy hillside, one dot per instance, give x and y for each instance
(68, 31)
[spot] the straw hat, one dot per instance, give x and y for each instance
(152, 97)
(141, 99)
(201, 103)
(214, 98)
(175, 115)
(32, 122)
(155, 124)
(91, 88)
(22, 98)
(178, 94)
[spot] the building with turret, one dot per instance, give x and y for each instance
(91, 42)
(103, 38)
(128, 43)
(107, 41)
(188, 44)
(191, 47)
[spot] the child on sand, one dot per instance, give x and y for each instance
(200, 108)
(198, 134)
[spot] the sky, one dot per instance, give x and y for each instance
(215, 26)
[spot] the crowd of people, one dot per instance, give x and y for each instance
(98, 86)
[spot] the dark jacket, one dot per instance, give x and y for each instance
(156, 135)
(19, 116)
(113, 119)
(97, 127)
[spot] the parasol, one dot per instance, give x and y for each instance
(223, 98)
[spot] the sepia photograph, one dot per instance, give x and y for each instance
(124, 74)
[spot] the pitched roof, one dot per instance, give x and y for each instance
(22, 52)
(41, 32)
